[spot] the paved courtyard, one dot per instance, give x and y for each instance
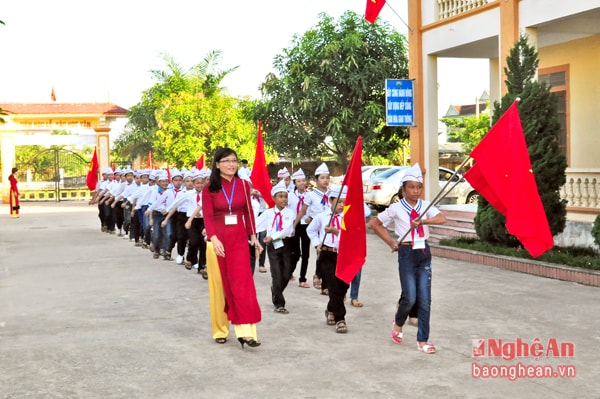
(84, 314)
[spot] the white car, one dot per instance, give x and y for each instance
(463, 193)
(383, 190)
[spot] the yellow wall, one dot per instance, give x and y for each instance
(583, 58)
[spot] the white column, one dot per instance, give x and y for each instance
(430, 126)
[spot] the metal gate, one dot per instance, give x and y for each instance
(55, 174)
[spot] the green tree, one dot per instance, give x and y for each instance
(467, 130)
(176, 117)
(329, 88)
(537, 109)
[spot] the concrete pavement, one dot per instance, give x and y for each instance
(84, 314)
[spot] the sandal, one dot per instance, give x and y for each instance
(330, 318)
(356, 303)
(188, 264)
(325, 291)
(203, 272)
(428, 348)
(316, 282)
(340, 327)
(396, 335)
(303, 284)
(220, 340)
(281, 310)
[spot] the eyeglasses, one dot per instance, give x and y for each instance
(229, 161)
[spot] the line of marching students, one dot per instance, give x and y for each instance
(162, 211)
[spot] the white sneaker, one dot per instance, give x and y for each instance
(179, 260)
(195, 266)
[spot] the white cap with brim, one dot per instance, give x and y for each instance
(413, 174)
(162, 175)
(299, 174)
(334, 192)
(281, 173)
(278, 188)
(322, 170)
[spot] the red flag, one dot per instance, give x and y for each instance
(150, 159)
(92, 177)
(373, 9)
(168, 172)
(52, 95)
(260, 174)
(200, 163)
(502, 174)
(352, 249)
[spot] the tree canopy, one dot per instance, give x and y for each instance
(328, 89)
(186, 114)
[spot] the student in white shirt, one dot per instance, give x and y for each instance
(278, 222)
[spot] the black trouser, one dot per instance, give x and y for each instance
(101, 215)
(280, 260)
(197, 245)
(127, 218)
(337, 288)
(180, 233)
(119, 217)
(135, 231)
(300, 244)
(109, 218)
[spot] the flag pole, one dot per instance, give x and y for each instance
(439, 196)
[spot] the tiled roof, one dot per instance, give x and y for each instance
(64, 109)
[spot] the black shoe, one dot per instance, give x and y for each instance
(251, 342)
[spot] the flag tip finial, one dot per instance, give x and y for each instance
(518, 99)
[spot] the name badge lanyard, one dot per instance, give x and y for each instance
(229, 199)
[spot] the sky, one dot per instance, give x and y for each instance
(103, 51)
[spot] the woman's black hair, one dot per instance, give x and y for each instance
(14, 170)
(214, 183)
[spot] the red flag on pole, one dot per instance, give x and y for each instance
(168, 172)
(52, 95)
(200, 163)
(502, 174)
(92, 177)
(150, 159)
(373, 9)
(352, 249)
(260, 174)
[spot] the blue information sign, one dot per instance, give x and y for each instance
(399, 102)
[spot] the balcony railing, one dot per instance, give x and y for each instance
(582, 189)
(450, 8)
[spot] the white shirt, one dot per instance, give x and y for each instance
(400, 215)
(278, 223)
(316, 229)
(314, 200)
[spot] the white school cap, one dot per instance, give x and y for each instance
(322, 170)
(283, 172)
(413, 174)
(299, 174)
(278, 188)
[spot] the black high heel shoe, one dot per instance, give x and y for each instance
(251, 342)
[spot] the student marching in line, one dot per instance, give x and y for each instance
(414, 255)
(278, 222)
(137, 219)
(177, 212)
(157, 211)
(100, 186)
(316, 202)
(299, 241)
(196, 255)
(324, 232)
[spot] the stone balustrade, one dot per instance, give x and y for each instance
(450, 8)
(582, 189)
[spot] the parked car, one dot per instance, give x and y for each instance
(463, 193)
(368, 172)
(383, 190)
